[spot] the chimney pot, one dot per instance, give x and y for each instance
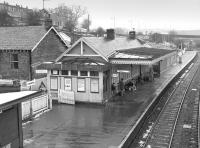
(132, 34)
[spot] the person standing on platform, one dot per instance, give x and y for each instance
(113, 88)
(121, 86)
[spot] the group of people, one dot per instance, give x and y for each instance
(131, 86)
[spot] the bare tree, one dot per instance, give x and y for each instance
(172, 34)
(156, 37)
(100, 31)
(86, 24)
(70, 14)
(121, 31)
(33, 18)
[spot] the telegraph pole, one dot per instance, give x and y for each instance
(88, 29)
(43, 4)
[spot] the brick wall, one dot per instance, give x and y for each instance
(5, 67)
(48, 50)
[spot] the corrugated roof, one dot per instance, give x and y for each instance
(107, 47)
(20, 38)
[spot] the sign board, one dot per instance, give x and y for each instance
(54, 83)
(94, 85)
(68, 84)
(115, 75)
(81, 84)
(41, 71)
(123, 71)
(66, 97)
(30, 83)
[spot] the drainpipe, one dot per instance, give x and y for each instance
(140, 70)
(30, 64)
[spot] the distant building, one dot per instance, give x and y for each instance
(92, 64)
(17, 12)
(22, 48)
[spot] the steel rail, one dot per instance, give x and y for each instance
(180, 107)
(166, 103)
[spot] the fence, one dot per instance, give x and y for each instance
(34, 106)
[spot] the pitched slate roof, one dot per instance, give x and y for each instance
(20, 38)
(107, 47)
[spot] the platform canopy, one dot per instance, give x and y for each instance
(14, 97)
(140, 56)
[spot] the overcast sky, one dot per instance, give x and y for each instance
(140, 14)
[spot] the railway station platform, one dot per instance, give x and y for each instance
(89, 126)
(147, 93)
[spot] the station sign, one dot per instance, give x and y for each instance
(115, 75)
(123, 71)
(41, 71)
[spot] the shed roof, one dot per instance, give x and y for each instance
(152, 53)
(142, 55)
(6, 98)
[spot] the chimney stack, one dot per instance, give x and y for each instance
(132, 34)
(110, 34)
(48, 23)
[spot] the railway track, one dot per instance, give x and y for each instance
(164, 130)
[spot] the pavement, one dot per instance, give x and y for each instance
(97, 126)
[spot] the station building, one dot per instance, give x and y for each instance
(92, 64)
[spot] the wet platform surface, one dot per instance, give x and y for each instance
(95, 126)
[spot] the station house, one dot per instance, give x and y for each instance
(92, 64)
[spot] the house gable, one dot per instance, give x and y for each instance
(81, 48)
(87, 50)
(76, 49)
(49, 48)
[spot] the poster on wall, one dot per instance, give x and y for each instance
(54, 83)
(94, 85)
(81, 84)
(68, 84)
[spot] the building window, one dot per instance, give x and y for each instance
(54, 83)
(94, 85)
(74, 73)
(81, 85)
(94, 73)
(14, 61)
(7, 146)
(65, 72)
(83, 73)
(54, 72)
